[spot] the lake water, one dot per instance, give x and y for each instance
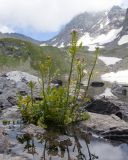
(73, 144)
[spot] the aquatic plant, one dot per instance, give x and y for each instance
(59, 105)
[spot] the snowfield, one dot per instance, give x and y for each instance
(123, 40)
(120, 77)
(100, 40)
(109, 60)
(17, 76)
(43, 44)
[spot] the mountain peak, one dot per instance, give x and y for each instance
(116, 8)
(95, 30)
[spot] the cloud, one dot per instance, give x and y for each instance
(47, 15)
(6, 29)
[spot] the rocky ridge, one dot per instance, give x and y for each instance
(103, 29)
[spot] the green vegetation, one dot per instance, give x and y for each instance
(59, 105)
(15, 53)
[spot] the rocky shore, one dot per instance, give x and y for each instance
(108, 117)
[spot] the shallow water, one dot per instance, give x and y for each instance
(105, 91)
(72, 144)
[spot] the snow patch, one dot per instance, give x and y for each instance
(53, 39)
(109, 60)
(93, 47)
(43, 44)
(106, 13)
(123, 40)
(87, 40)
(107, 21)
(120, 77)
(61, 45)
(17, 76)
(101, 26)
(106, 38)
(107, 93)
(55, 45)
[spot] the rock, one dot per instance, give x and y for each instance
(12, 100)
(108, 126)
(33, 130)
(18, 76)
(4, 142)
(97, 84)
(108, 107)
(116, 134)
(11, 113)
(11, 157)
(11, 86)
(119, 89)
(99, 122)
(56, 83)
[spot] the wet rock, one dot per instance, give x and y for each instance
(11, 157)
(33, 130)
(56, 83)
(108, 126)
(116, 134)
(97, 84)
(119, 89)
(99, 122)
(11, 113)
(108, 107)
(4, 142)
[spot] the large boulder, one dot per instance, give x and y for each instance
(107, 126)
(108, 107)
(14, 83)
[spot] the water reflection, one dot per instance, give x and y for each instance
(58, 145)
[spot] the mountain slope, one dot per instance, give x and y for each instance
(18, 36)
(103, 29)
(25, 56)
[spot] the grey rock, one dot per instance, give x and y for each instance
(11, 157)
(108, 107)
(9, 90)
(11, 113)
(125, 25)
(31, 129)
(4, 142)
(102, 123)
(119, 89)
(108, 126)
(97, 84)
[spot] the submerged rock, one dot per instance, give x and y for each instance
(4, 142)
(34, 130)
(11, 157)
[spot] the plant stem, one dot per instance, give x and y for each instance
(91, 73)
(69, 79)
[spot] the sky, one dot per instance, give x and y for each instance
(43, 19)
